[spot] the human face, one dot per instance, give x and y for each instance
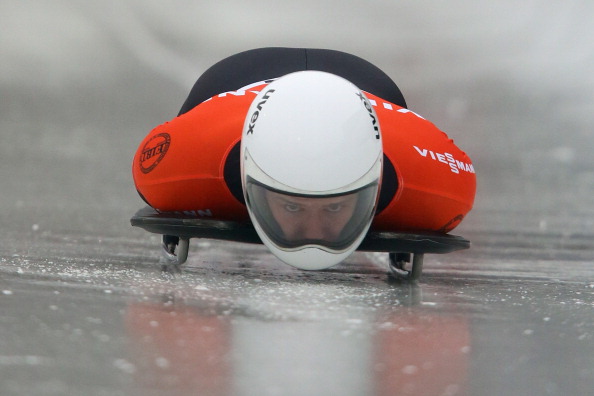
(303, 218)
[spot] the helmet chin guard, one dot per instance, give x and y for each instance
(311, 163)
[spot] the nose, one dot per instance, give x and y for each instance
(314, 229)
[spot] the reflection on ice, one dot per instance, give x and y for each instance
(184, 348)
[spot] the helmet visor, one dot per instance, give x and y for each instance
(331, 222)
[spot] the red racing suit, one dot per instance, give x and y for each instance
(183, 166)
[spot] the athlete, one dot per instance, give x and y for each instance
(311, 146)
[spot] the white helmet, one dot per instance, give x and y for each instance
(311, 163)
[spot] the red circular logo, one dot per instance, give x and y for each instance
(153, 152)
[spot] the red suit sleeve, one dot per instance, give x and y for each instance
(179, 166)
(436, 180)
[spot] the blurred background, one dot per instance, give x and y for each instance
(83, 82)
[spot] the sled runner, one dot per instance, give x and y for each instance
(403, 248)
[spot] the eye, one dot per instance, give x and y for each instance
(333, 208)
(293, 208)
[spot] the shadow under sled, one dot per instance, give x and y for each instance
(177, 230)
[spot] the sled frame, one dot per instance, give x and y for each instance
(402, 248)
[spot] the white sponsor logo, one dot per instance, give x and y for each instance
(446, 158)
(241, 91)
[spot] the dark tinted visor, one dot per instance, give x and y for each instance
(291, 221)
